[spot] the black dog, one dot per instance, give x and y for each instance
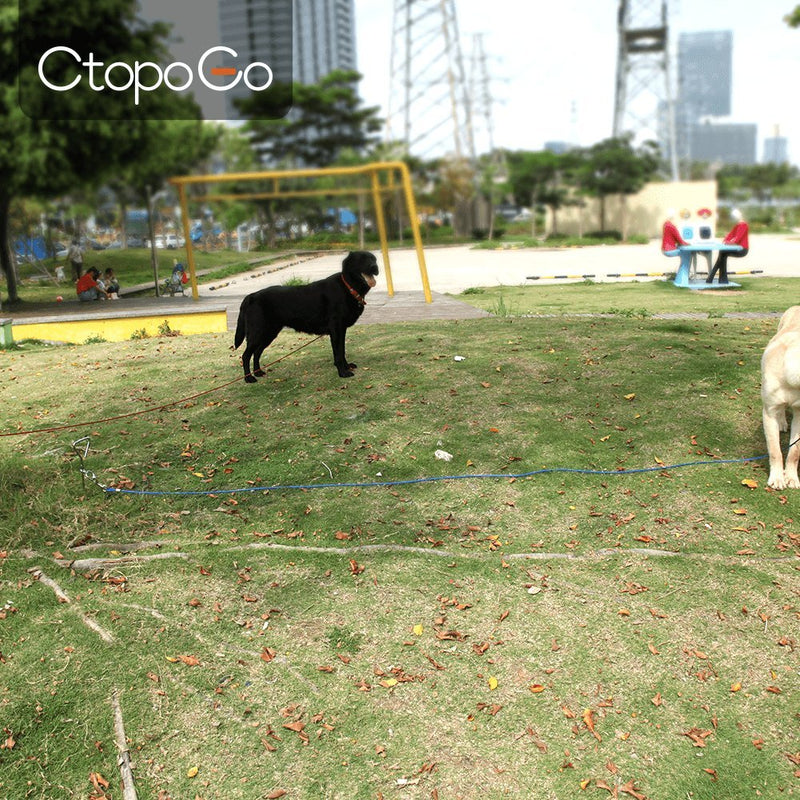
(329, 306)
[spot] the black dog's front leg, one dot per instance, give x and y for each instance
(337, 344)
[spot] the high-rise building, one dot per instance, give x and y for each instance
(324, 38)
(318, 40)
(259, 31)
(724, 143)
(776, 150)
(705, 73)
(705, 84)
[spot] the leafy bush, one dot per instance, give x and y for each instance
(605, 235)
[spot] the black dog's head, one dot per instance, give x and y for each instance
(360, 267)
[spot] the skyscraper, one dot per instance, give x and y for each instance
(705, 83)
(776, 150)
(319, 40)
(705, 73)
(259, 31)
(324, 38)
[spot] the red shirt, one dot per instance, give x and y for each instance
(738, 235)
(670, 238)
(85, 282)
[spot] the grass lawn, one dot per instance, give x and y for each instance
(627, 629)
(132, 267)
(634, 299)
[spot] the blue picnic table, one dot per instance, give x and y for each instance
(706, 247)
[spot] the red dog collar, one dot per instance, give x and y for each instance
(353, 292)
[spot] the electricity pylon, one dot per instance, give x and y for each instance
(429, 105)
(643, 103)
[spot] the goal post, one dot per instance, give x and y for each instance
(381, 180)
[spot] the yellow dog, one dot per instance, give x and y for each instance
(780, 390)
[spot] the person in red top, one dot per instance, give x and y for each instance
(88, 288)
(738, 236)
(671, 238)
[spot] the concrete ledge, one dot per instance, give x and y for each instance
(119, 324)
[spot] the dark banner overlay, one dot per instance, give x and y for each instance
(161, 64)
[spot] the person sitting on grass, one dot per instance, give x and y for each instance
(110, 283)
(88, 288)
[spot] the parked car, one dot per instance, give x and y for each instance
(173, 241)
(133, 241)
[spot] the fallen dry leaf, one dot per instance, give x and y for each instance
(698, 736)
(190, 661)
(629, 788)
(355, 567)
(588, 721)
(98, 781)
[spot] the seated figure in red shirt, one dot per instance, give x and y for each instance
(671, 238)
(88, 288)
(738, 236)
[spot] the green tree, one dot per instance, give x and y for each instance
(455, 189)
(759, 181)
(793, 18)
(60, 147)
(326, 118)
(614, 166)
(534, 180)
(176, 147)
(236, 155)
(492, 183)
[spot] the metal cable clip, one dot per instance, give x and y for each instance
(85, 473)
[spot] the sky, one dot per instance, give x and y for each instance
(552, 65)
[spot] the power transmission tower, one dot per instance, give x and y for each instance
(643, 102)
(429, 105)
(480, 82)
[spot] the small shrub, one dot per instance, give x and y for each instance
(615, 235)
(165, 330)
(500, 309)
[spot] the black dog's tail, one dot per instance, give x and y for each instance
(241, 324)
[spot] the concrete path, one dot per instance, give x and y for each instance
(451, 270)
